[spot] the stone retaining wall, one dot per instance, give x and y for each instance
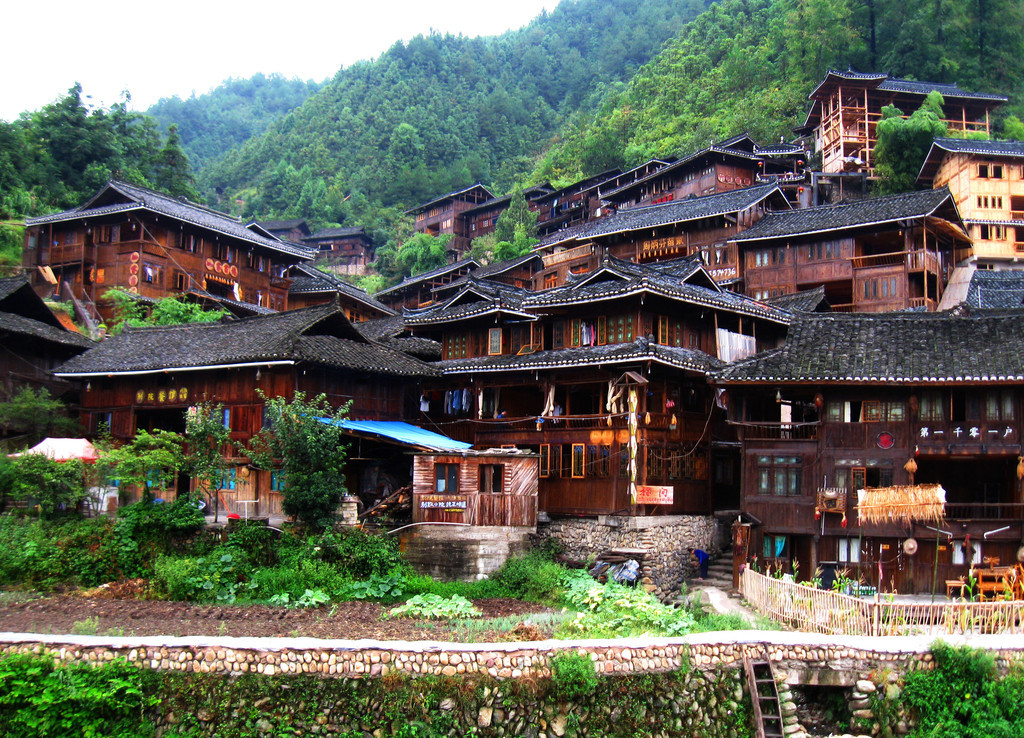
(860, 666)
(664, 539)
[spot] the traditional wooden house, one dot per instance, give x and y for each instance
(311, 286)
(481, 219)
(730, 165)
(418, 290)
(295, 230)
(694, 225)
(144, 379)
(342, 250)
(890, 401)
(443, 215)
(33, 341)
(846, 108)
(986, 179)
(155, 246)
(579, 202)
(886, 253)
(604, 378)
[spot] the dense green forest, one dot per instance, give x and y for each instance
(748, 65)
(237, 110)
(441, 112)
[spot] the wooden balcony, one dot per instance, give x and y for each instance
(72, 253)
(282, 283)
(777, 431)
(914, 261)
(560, 257)
(1009, 511)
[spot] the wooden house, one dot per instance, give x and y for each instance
(443, 215)
(730, 165)
(342, 250)
(581, 202)
(603, 377)
(886, 253)
(694, 225)
(481, 219)
(33, 341)
(311, 286)
(869, 401)
(846, 108)
(155, 246)
(495, 487)
(418, 290)
(295, 230)
(986, 179)
(144, 379)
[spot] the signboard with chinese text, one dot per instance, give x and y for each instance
(654, 495)
(444, 503)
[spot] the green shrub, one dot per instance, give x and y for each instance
(221, 577)
(255, 538)
(359, 555)
(38, 698)
(612, 610)
(533, 577)
(573, 675)
(423, 584)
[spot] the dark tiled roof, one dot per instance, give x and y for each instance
(887, 348)
(235, 307)
(418, 278)
(10, 285)
(678, 211)
(475, 299)
(281, 225)
(453, 193)
(640, 350)
(530, 193)
(721, 150)
(336, 233)
(257, 339)
(779, 148)
(179, 209)
(942, 146)
(837, 217)
(308, 279)
(805, 301)
(390, 331)
(490, 270)
(885, 82)
(35, 331)
(680, 279)
(992, 289)
(359, 356)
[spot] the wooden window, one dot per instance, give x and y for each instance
(277, 480)
(663, 330)
(494, 341)
(849, 551)
(964, 555)
(446, 477)
(550, 280)
(491, 476)
(878, 412)
(230, 479)
(774, 547)
(579, 459)
(558, 334)
(545, 460)
(931, 406)
(655, 463)
(150, 273)
(225, 417)
(180, 281)
(602, 330)
(574, 332)
(999, 405)
(779, 475)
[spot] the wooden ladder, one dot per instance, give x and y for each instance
(764, 694)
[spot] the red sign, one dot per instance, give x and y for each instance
(886, 440)
(652, 495)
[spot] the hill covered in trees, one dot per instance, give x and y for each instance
(441, 112)
(229, 115)
(749, 65)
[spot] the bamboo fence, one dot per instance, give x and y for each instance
(823, 611)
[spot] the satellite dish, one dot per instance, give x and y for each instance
(910, 546)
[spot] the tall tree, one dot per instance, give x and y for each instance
(171, 171)
(903, 143)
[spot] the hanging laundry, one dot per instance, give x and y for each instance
(424, 404)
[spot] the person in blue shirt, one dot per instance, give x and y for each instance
(702, 562)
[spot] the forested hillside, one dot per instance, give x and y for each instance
(226, 117)
(441, 112)
(748, 65)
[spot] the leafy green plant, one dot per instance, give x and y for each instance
(434, 607)
(609, 610)
(532, 577)
(53, 486)
(357, 554)
(377, 587)
(220, 577)
(573, 675)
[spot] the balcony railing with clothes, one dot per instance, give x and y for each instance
(778, 431)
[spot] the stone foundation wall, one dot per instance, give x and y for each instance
(664, 539)
(711, 690)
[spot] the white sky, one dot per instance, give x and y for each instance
(157, 49)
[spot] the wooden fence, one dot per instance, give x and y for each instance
(822, 611)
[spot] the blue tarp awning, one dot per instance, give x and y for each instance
(406, 433)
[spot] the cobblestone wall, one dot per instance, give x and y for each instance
(664, 540)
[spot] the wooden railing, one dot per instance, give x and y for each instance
(915, 260)
(823, 611)
(567, 255)
(778, 431)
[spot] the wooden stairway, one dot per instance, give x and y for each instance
(764, 694)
